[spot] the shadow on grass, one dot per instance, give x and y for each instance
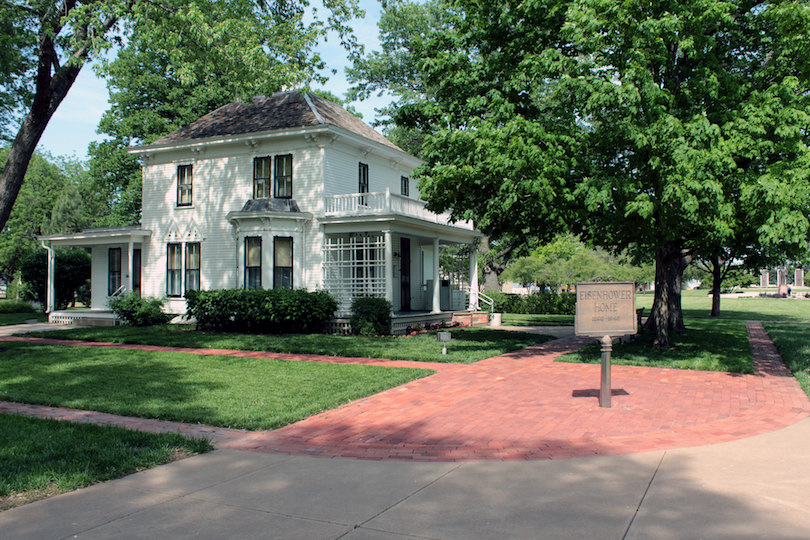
(706, 345)
(131, 383)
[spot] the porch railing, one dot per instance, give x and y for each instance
(384, 202)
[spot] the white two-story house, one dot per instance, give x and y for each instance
(287, 191)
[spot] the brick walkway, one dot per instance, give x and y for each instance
(519, 405)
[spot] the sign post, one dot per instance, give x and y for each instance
(605, 310)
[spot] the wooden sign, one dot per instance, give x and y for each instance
(606, 309)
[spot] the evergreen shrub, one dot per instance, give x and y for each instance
(137, 311)
(371, 316)
(261, 311)
(10, 306)
(538, 303)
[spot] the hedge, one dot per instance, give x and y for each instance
(539, 303)
(261, 311)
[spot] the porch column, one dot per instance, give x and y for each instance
(130, 267)
(51, 289)
(437, 282)
(389, 267)
(474, 279)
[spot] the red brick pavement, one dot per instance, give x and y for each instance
(522, 405)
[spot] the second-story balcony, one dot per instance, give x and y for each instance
(383, 203)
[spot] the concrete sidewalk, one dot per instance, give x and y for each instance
(750, 488)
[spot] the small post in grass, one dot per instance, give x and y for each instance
(606, 310)
(444, 339)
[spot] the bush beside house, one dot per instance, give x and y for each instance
(371, 316)
(138, 311)
(267, 311)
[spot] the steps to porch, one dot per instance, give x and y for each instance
(84, 317)
(472, 318)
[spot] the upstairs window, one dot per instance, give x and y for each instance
(174, 267)
(283, 177)
(193, 266)
(184, 185)
(261, 178)
(403, 185)
(253, 262)
(282, 262)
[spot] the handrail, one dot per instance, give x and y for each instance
(119, 291)
(487, 300)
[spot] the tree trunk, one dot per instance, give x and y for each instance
(666, 315)
(491, 268)
(717, 279)
(50, 91)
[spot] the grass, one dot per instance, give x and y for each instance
(20, 318)
(223, 391)
(466, 346)
(793, 342)
(709, 343)
(39, 458)
(521, 319)
(697, 305)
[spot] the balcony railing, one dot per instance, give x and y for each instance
(385, 203)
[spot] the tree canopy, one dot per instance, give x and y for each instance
(205, 50)
(665, 128)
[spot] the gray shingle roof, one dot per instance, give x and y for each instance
(284, 110)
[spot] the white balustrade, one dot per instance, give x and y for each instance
(381, 203)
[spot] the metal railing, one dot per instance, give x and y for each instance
(487, 300)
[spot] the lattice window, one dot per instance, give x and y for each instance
(354, 266)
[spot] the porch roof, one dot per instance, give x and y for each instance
(97, 236)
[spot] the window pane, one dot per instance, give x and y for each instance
(184, 185)
(254, 251)
(283, 252)
(193, 256)
(283, 176)
(261, 178)
(404, 185)
(174, 257)
(114, 270)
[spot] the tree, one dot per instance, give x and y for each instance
(639, 126)
(48, 43)
(72, 272)
(47, 182)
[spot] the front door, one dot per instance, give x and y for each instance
(136, 271)
(405, 274)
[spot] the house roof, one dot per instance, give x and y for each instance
(283, 110)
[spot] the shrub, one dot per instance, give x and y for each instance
(371, 316)
(268, 311)
(138, 311)
(539, 303)
(9, 306)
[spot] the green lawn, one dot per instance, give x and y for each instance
(20, 318)
(467, 344)
(524, 319)
(218, 390)
(793, 342)
(698, 305)
(40, 457)
(709, 343)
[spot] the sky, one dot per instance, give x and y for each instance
(74, 123)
